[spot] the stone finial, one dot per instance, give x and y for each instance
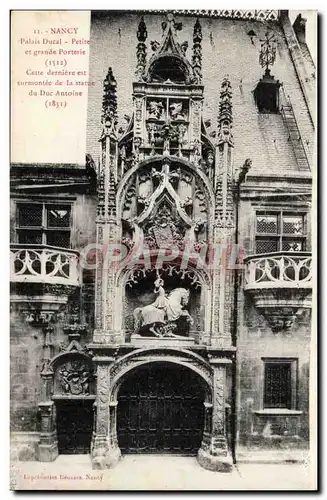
(197, 53)
(225, 116)
(109, 103)
(142, 32)
(141, 48)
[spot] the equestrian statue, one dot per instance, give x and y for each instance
(166, 314)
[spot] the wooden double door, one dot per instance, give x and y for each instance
(74, 426)
(160, 410)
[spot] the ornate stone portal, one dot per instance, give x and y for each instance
(165, 193)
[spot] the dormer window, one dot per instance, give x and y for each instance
(170, 68)
(266, 94)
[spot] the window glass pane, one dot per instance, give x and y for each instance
(293, 224)
(292, 246)
(58, 216)
(278, 385)
(30, 237)
(58, 239)
(266, 246)
(29, 215)
(267, 224)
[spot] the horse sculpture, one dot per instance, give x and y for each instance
(161, 316)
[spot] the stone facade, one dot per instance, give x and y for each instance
(189, 238)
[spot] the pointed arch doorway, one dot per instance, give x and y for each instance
(161, 410)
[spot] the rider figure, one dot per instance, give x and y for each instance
(160, 302)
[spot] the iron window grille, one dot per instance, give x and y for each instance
(44, 224)
(280, 231)
(280, 383)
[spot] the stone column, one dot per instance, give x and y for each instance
(213, 454)
(105, 450)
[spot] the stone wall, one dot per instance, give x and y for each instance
(26, 344)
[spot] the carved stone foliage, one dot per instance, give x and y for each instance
(168, 205)
(225, 117)
(218, 421)
(197, 53)
(186, 276)
(38, 289)
(109, 103)
(112, 190)
(73, 377)
(155, 109)
(141, 48)
(102, 399)
(100, 192)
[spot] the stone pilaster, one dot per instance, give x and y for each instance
(224, 225)
(107, 230)
(48, 444)
(195, 132)
(105, 450)
(213, 454)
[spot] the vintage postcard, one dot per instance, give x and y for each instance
(163, 220)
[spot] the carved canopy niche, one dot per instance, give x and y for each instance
(165, 203)
(140, 291)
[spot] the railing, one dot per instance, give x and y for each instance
(278, 270)
(295, 137)
(44, 264)
(259, 15)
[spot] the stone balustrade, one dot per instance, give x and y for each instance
(278, 270)
(44, 264)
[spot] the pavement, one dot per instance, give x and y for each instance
(158, 473)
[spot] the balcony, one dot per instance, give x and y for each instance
(280, 285)
(44, 264)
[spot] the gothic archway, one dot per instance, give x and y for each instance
(160, 410)
(187, 367)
